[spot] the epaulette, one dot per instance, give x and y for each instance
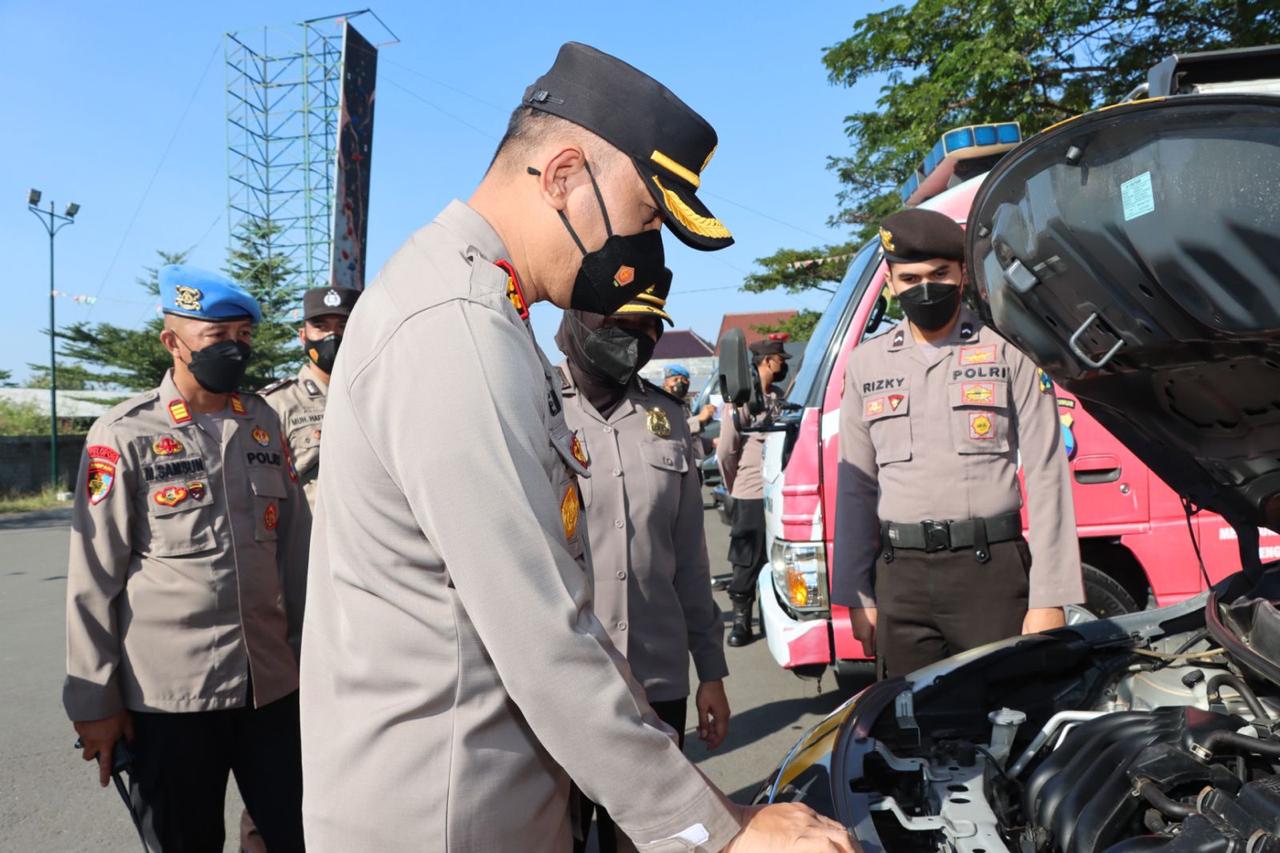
(278, 384)
(663, 391)
(129, 406)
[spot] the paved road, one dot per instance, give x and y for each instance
(49, 799)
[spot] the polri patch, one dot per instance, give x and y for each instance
(1046, 384)
(978, 354)
(895, 400)
(271, 516)
(261, 436)
(981, 426)
(178, 411)
(167, 445)
(98, 482)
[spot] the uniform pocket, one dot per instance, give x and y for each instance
(269, 492)
(887, 420)
(179, 519)
(980, 421)
(665, 456)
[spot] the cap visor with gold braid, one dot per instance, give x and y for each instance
(669, 143)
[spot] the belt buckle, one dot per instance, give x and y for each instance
(937, 535)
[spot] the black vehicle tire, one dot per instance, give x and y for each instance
(1104, 596)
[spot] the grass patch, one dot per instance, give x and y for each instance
(44, 499)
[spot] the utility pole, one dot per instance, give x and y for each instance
(53, 222)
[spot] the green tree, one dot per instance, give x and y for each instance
(799, 326)
(1035, 62)
(71, 377)
(6, 378)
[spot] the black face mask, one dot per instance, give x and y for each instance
(930, 305)
(781, 373)
(680, 389)
(611, 275)
(220, 367)
(615, 353)
(322, 352)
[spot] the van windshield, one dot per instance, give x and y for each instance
(819, 353)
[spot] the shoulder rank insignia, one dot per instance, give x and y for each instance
(312, 388)
(178, 412)
(261, 436)
(167, 445)
(277, 385)
(171, 495)
(656, 422)
(579, 451)
(966, 331)
(898, 338)
(101, 473)
(237, 405)
(514, 292)
(569, 511)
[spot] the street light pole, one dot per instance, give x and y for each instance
(53, 222)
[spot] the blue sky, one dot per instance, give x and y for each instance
(96, 95)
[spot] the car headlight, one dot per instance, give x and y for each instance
(800, 574)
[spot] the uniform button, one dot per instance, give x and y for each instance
(608, 429)
(617, 472)
(622, 626)
(622, 576)
(666, 459)
(618, 523)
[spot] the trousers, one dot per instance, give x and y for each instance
(746, 548)
(930, 606)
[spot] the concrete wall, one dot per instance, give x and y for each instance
(24, 462)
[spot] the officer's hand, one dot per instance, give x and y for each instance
(864, 627)
(98, 739)
(793, 827)
(713, 713)
(708, 412)
(1043, 619)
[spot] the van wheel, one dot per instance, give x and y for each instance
(1104, 596)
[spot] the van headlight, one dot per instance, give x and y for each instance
(800, 575)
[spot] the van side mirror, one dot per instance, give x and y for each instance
(739, 382)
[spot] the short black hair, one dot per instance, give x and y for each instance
(528, 126)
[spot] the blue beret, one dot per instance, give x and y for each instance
(187, 291)
(676, 370)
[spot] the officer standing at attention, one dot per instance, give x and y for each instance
(935, 417)
(300, 400)
(675, 381)
(454, 675)
(644, 521)
(185, 585)
(741, 460)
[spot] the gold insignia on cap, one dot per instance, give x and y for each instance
(676, 169)
(707, 161)
(704, 226)
(657, 422)
(886, 240)
(187, 298)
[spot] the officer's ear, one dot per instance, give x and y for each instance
(302, 335)
(565, 169)
(169, 338)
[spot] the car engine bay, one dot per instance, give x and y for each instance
(1103, 737)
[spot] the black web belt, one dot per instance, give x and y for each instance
(930, 536)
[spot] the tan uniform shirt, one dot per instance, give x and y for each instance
(300, 404)
(454, 675)
(648, 545)
(740, 455)
(938, 436)
(188, 560)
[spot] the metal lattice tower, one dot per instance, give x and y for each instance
(282, 122)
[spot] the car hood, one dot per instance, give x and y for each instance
(1134, 254)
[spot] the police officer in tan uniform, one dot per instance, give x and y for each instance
(300, 400)
(645, 521)
(454, 675)
(935, 419)
(740, 456)
(185, 585)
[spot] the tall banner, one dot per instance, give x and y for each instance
(354, 150)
